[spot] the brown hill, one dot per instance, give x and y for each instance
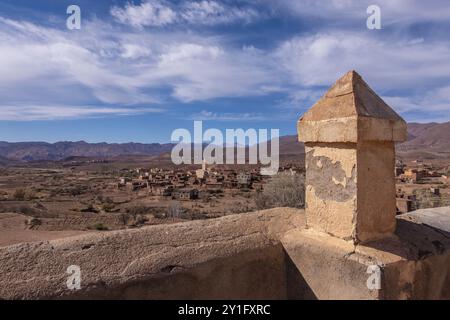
(435, 135)
(426, 141)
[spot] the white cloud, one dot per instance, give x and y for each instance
(202, 72)
(211, 12)
(320, 59)
(135, 51)
(433, 102)
(156, 13)
(39, 64)
(150, 13)
(109, 66)
(188, 51)
(31, 113)
(416, 70)
(420, 109)
(209, 115)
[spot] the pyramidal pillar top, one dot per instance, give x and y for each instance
(350, 136)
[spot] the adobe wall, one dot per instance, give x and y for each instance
(251, 274)
(414, 263)
(262, 255)
(233, 257)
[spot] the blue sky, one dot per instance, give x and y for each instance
(137, 70)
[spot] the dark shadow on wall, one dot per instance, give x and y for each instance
(296, 286)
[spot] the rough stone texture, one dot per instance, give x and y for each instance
(351, 112)
(349, 136)
(423, 270)
(350, 189)
(350, 96)
(331, 188)
(349, 139)
(438, 218)
(327, 264)
(376, 204)
(414, 263)
(237, 257)
(263, 255)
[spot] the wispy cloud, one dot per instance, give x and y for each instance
(209, 115)
(213, 12)
(158, 13)
(387, 63)
(143, 56)
(202, 72)
(109, 66)
(32, 113)
(150, 13)
(434, 104)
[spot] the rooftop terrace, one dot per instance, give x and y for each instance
(329, 251)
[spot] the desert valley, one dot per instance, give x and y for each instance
(50, 191)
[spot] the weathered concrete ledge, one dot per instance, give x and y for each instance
(268, 254)
(233, 257)
(414, 263)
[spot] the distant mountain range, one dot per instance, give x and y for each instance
(34, 151)
(429, 138)
(426, 141)
(428, 135)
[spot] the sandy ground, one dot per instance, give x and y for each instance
(13, 230)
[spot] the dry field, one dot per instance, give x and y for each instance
(39, 204)
(48, 200)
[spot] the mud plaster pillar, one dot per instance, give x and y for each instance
(350, 136)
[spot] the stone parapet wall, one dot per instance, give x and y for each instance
(267, 254)
(233, 257)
